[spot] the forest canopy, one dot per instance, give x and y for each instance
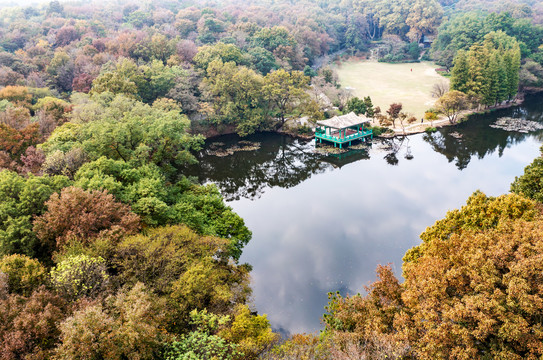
(108, 250)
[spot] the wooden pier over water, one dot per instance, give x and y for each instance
(342, 130)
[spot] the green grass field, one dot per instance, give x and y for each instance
(409, 84)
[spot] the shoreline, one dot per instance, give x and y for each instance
(443, 121)
(408, 130)
(419, 128)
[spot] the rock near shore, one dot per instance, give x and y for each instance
(517, 125)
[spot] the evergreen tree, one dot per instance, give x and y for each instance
(502, 79)
(492, 86)
(477, 84)
(460, 72)
(356, 105)
(488, 71)
(369, 107)
(512, 66)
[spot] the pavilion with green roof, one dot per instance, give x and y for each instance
(342, 130)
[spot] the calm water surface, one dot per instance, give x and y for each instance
(323, 223)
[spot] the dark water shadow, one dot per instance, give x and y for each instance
(475, 138)
(280, 161)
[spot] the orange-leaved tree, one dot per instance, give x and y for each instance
(472, 290)
(82, 215)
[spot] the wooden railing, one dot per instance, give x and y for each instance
(351, 137)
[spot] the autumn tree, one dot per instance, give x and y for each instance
(480, 213)
(93, 214)
(252, 333)
(189, 272)
(29, 326)
(16, 117)
(18, 95)
(82, 83)
(430, 116)
(127, 326)
(452, 103)
(368, 320)
(14, 143)
(24, 274)
(31, 161)
(394, 112)
(9, 77)
(470, 289)
(299, 346)
(475, 294)
(66, 35)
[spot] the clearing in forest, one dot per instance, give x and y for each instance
(409, 84)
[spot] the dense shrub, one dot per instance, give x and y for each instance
(80, 275)
(24, 274)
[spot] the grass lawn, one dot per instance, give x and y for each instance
(409, 84)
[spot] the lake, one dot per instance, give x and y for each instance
(323, 223)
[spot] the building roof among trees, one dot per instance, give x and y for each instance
(344, 121)
(428, 38)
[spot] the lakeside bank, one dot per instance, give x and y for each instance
(463, 116)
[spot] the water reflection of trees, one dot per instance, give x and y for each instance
(395, 147)
(281, 161)
(476, 138)
(461, 150)
(284, 162)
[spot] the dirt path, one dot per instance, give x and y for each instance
(418, 128)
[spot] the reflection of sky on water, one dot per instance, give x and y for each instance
(329, 232)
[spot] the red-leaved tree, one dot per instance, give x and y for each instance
(29, 326)
(82, 215)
